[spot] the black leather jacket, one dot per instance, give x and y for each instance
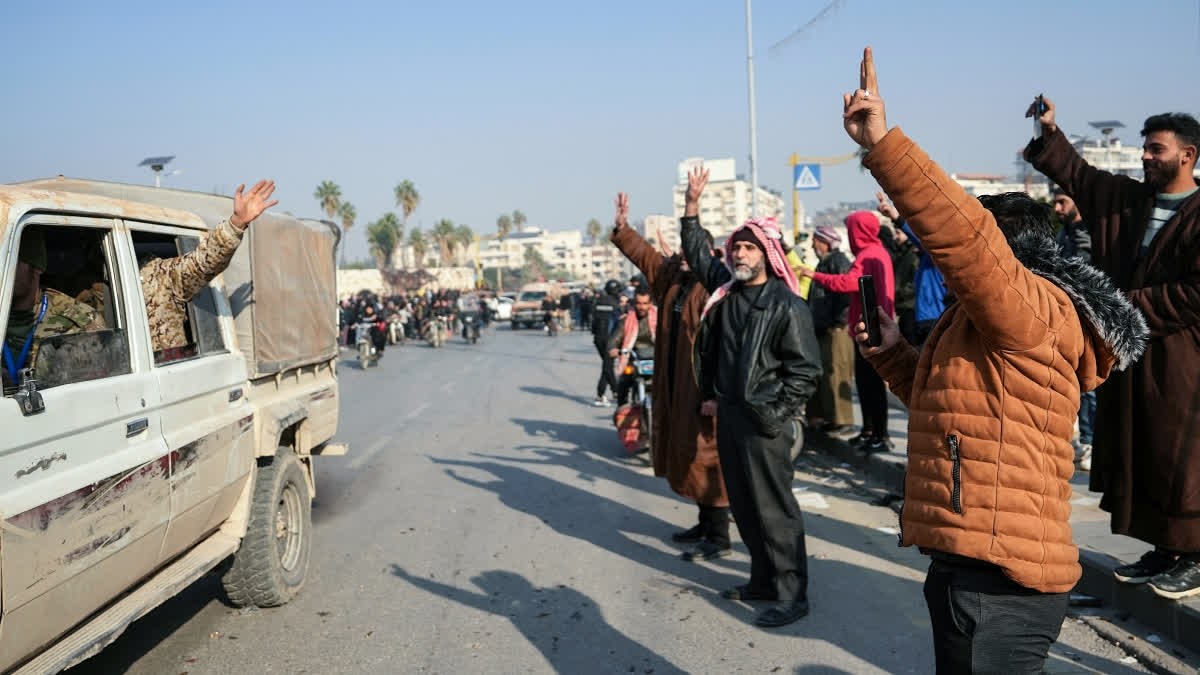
(779, 355)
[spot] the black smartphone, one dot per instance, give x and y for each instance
(870, 309)
(1039, 108)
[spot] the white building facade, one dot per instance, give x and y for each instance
(726, 202)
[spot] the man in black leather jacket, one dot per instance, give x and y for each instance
(757, 362)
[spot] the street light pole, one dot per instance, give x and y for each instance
(753, 121)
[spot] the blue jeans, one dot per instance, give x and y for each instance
(1087, 417)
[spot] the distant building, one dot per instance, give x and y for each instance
(726, 201)
(979, 184)
(653, 224)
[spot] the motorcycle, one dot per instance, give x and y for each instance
(367, 354)
(435, 331)
(396, 334)
(471, 324)
(634, 419)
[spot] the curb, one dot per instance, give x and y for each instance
(1178, 620)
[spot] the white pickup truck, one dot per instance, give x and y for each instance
(126, 474)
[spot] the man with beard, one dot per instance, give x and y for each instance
(757, 362)
(1146, 235)
(683, 442)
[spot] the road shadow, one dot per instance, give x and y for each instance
(556, 393)
(565, 625)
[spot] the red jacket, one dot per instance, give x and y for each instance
(870, 257)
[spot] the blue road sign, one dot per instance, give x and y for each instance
(806, 177)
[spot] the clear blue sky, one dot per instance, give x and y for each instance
(552, 107)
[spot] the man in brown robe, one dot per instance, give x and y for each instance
(1146, 236)
(683, 442)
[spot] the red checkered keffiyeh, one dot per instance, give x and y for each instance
(770, 240)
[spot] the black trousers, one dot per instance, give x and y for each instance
(624, 387)
(715, 520)
(983, 622)
(607, 378)
(872, 396)
(758, 477)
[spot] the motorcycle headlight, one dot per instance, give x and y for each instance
(628, 370)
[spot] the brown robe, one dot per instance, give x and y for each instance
(1146, 456)
(683, 442)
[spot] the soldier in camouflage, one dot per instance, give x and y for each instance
(169, 284)
(62, 315)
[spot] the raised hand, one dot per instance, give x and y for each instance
(863, 113)
(885, 207)
(1047, 116)
(251, 205)
(622, 211)
(697, 179)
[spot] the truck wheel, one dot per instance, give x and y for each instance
(269, 568)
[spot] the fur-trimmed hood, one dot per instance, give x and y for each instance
(1118, 329)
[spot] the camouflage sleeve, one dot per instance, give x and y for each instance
(186, 275)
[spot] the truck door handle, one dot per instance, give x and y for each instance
(235, 395)
(136, 427)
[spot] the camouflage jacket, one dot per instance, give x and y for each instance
(169, 284)
(64, 315)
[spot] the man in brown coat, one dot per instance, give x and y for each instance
(992, 399)
(1146, 235)
(683, 442)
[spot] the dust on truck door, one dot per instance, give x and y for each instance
(207, 423)
(83, 484)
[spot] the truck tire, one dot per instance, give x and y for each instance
(269, 568)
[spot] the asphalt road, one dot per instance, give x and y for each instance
(486, 520)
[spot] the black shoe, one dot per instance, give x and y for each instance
(875, 444)
(1151, 564)
(862, 437)
(692, 536)
(706, 550)
(782, 615)
(748, 593)
(1180, 581)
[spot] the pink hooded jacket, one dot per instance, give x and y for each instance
(870, 257)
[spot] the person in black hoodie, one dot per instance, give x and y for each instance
(832, 406)
(605, 311)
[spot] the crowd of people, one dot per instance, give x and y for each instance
(414, 313)
(999, 318)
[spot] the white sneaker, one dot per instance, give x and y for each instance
(600, 402)
(1085, 457)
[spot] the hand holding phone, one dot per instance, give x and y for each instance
(870, 309)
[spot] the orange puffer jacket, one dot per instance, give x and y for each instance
(993, 397)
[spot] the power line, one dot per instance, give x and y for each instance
(797, 34)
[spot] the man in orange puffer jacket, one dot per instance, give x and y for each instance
(992, 401)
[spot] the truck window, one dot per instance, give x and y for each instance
(201, 325)
(80, 334)
(532, 296)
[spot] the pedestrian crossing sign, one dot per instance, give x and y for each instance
(806, 177)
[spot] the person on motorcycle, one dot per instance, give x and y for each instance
(470, 314)
(378, 328)
(636, 332)
(548, 307)
(605, 311)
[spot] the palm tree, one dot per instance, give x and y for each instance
(594, 228)
(444, 236)
(465, 237)
(518, 219)
(407, 198)
(504, 225)
(383, 236)
(347, 213)
(329, 195)
(420, 246)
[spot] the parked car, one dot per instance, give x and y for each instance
(125, 473)
(504, 308)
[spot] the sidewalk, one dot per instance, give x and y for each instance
(1099, 550)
